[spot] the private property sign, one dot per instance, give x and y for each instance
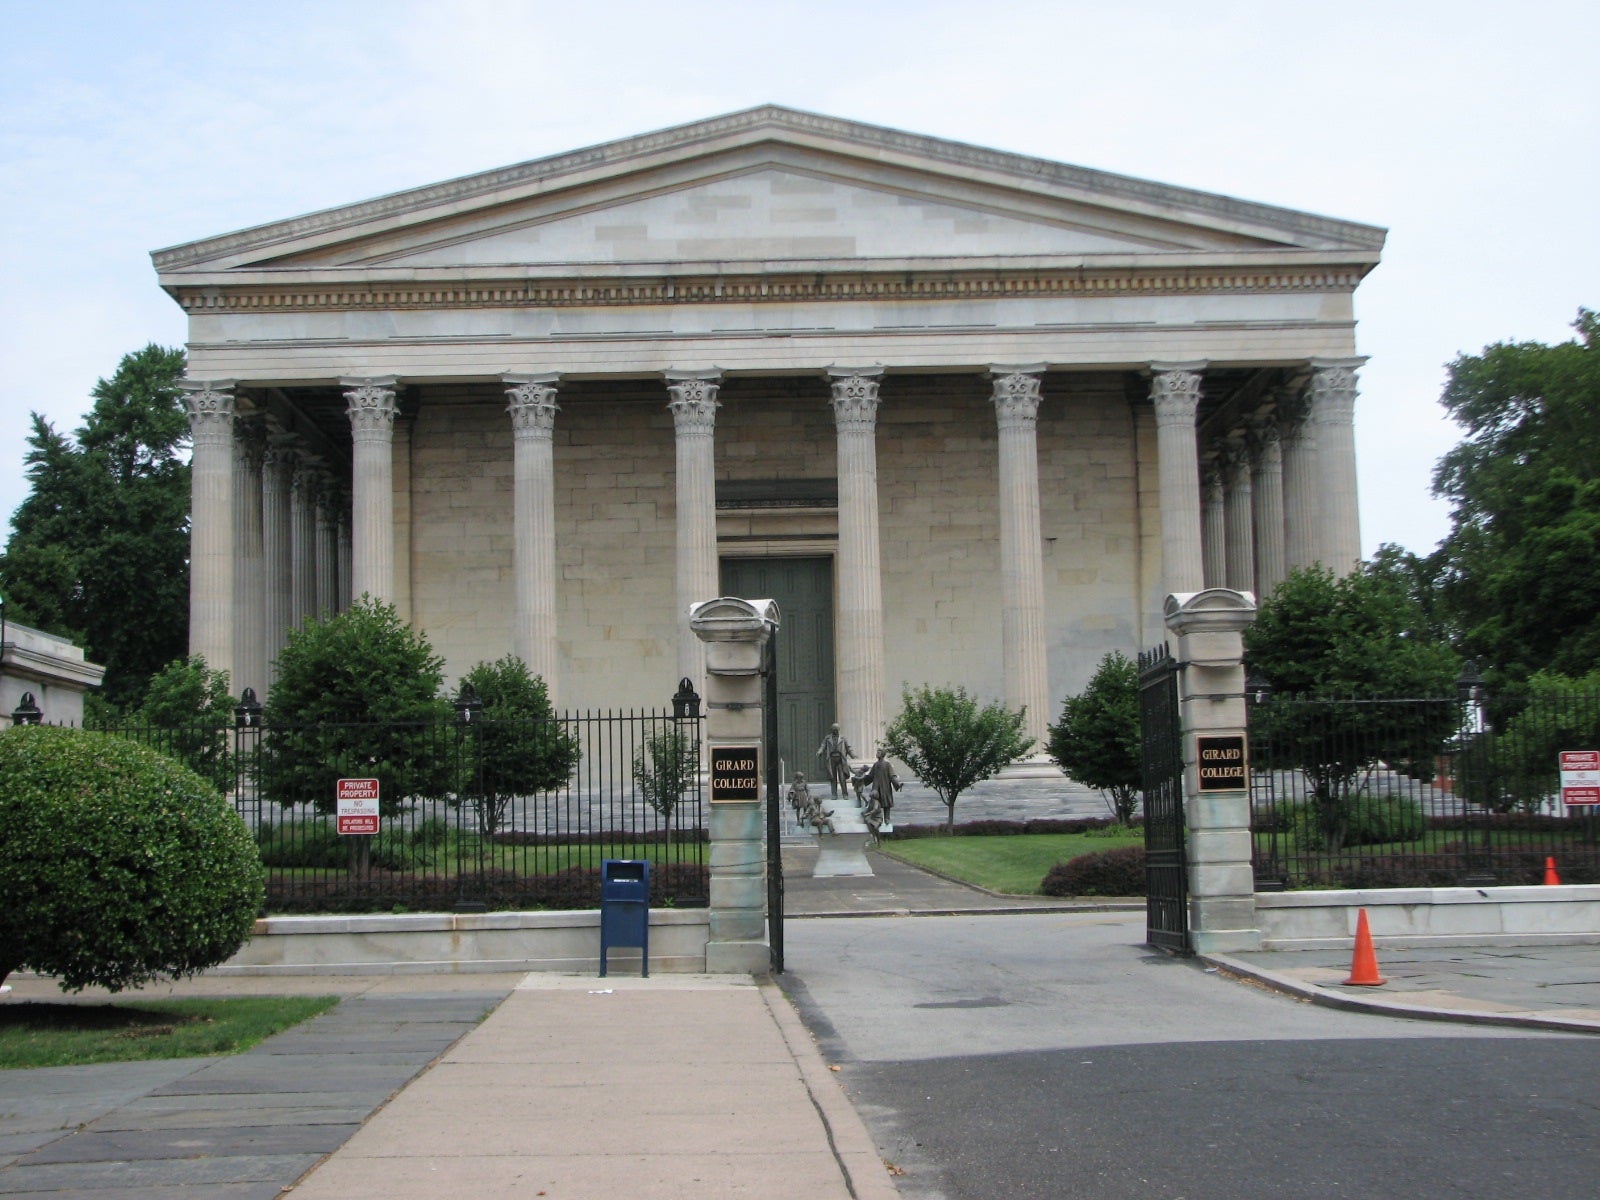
(1580, 777)
(357, 811)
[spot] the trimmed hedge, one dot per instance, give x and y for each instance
(1104, 873)
(500, 890)
(1001, 828)
(118, 865)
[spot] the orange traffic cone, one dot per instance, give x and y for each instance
(1551, 877)
(1364, 965)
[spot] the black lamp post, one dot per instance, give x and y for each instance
(469, 721)
(1473, 694)
(685, 701)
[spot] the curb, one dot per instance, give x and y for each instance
(866, 1175)
(1314, 994)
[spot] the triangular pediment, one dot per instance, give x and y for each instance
(767, 186)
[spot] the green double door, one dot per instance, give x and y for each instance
(803, 588)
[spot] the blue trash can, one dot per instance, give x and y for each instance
(625, 908)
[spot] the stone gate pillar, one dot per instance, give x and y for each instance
(1208, 630)
(735, 633)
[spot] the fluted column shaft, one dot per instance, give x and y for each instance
(532, 405)
(210, 410)
(249, 559)
(861, 656)
(327, 551)
(1213, 525)
(277, 474)
(1266, 488)
(694, 418)
(1016, 406)
(303, 539)
(1175, 393)
(1333, 409)
(371, 409)
(1240, 573)
(342, 551)
(1302, 524)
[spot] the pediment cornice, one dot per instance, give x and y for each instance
(770, 123)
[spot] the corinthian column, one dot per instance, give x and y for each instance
(694, 419)
(1302, 525)
(1333, 408)
(327, 519)
(1175, 392)
(210, 408)
(1266, 488)
(533, 500)
(371, 409)
(861, 661)
(303, 538)
(249, 560)
(1240, 573)
(1213, 525)
(1016, 408)
(277, 475)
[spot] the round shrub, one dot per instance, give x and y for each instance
(1367, 821)
(118, 865)
(1104, 873)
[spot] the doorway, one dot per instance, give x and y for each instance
(803, 588)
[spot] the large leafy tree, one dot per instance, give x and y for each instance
(950, 741)
(99, 550)
(1097, 741)
(1521, 565)
(1356, 683)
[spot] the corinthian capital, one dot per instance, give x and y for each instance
(855, 398)
(532, 403)
(694, 400)
(370, 404)
(1016, 395)
(1175, 391)
(1333, 390)
(209, 404)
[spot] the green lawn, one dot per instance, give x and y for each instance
(1012, 863)
(45, 1034)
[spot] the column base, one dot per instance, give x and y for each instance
(738, 958)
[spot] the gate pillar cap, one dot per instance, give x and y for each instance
(730, 619)
(1215, 610)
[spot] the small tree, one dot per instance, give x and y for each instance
(950, 742)
(1331, 648)
(1516, 768)
(189, 704)
(519, 747)
(357, 695)
(1097, 741)
(665, 769)
(119, 865)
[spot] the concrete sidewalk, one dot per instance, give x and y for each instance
(673, 1086)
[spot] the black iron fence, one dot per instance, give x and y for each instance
(473, 813)
(1462, 790)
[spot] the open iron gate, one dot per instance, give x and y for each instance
(774, 781)
(1161, 742)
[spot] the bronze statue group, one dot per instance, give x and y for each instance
(874, 785)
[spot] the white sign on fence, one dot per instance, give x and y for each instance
(1580, 777)
(357, 806)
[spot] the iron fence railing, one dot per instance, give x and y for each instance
(475, 814)
(1349, 792)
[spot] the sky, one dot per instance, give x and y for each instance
(1467, 129)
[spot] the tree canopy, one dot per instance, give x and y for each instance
(951, 742)
(1521, 564)
(99, 550)
(520, 746)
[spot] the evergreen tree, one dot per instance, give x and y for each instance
(99, 550)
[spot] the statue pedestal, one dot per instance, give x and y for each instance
(843, 852)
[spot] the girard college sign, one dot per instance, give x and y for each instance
(1224, 766)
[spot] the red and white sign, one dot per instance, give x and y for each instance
(1580, 777)
(357, 811)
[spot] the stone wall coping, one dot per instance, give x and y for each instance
(382, 923)
(1375, 897)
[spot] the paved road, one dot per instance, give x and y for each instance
(1053, 1056)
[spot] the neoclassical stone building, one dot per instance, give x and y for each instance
(968, 416)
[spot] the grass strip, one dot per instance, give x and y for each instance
(71, 1034)
(1014, 864)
